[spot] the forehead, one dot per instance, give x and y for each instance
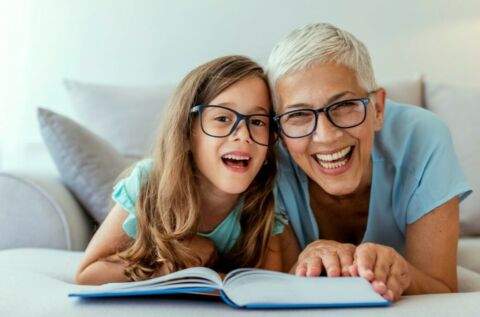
(249, 95)
(315, 85)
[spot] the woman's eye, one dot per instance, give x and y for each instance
(298, 114)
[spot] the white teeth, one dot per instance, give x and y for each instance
(236, 157)
(333, 165)
(333, 156)
(326, 160)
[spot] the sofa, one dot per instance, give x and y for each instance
(47, 219)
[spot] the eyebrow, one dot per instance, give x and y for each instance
(330, 100)
(255, 110)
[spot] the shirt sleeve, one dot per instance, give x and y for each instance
(126, 192)
(440, 177)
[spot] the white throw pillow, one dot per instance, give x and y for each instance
(458, 106)
(125, 116)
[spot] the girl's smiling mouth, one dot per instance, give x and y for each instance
(236, 161)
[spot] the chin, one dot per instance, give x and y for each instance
(233, 189)
(340, 189)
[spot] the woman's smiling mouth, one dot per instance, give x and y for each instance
(336, 162)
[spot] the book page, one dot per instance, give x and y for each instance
(259, 287)
(196, 277)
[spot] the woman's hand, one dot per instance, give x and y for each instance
(387, 270)
(333, 257)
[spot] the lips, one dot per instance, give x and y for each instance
(334, 162)
(238, 161)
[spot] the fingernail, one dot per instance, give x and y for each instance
(390, 294)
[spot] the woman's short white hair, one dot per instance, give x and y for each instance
(319, 43)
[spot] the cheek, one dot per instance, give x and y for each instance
(202, 146)
(296, 146)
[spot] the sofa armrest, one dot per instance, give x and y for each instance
(37, 210)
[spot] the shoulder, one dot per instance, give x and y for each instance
(127, 189)
(410, 133)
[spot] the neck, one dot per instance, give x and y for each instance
(214, 203)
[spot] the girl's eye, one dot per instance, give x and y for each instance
(222, 119)
(258, 122)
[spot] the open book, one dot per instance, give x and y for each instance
(250, 288)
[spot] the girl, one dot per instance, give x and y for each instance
(205, 199)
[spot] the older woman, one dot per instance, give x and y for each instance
(372, 188)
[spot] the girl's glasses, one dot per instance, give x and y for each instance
(220, 122)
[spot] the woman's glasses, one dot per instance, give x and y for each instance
(343, 114)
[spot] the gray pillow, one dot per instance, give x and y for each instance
(125, 116)
(88, 165)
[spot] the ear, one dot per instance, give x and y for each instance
(378, 100)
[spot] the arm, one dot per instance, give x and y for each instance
(282, 252)
(100, 264)
(431, 250)
(429, 265)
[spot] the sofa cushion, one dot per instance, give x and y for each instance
(458, 106)
(409, 91)
(125, 116)
(88, 165)
(46, 284)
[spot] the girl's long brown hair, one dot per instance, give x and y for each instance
(168, 206)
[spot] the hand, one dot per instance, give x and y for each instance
(387, 270)
(205, 250)
(334, 257)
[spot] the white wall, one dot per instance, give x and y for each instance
(157, 41)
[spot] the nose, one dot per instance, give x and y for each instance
(325, 131)
(241, 132)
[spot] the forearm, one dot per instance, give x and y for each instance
(422, 283)
(101, 272)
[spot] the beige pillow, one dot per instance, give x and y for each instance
(409, 91)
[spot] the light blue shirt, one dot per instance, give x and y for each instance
(415, 169)
(224, 236)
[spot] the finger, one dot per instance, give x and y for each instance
(365, 257)
(353, 269)
(313, 266)
(379, 287)
(395, 289)
(331, 262)
(346, 260)
(382, 268)
(301, 269)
